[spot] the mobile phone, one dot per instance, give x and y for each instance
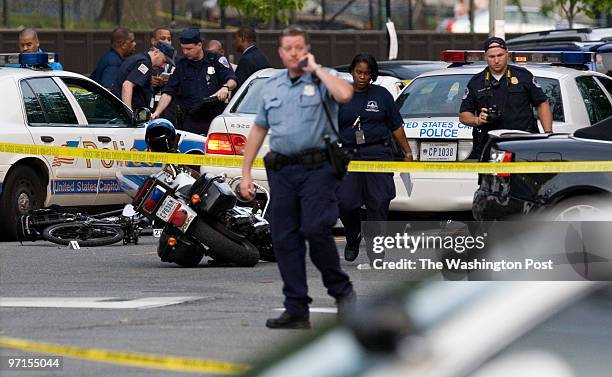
(164, 75)
(303, 64)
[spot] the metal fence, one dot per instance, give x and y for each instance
(80, 50)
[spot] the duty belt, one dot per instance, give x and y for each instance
(310, 159)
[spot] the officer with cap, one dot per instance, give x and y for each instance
(133, 83)
(502, 97)
(198, 76)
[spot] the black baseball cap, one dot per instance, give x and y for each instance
(494, 42)
(167, 50)
(190, 36)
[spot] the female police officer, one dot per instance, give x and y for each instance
(366, 122)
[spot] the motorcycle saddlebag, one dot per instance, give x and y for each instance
(217, 197)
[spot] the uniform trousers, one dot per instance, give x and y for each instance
(304, 208)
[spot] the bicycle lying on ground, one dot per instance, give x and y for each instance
(88, 230)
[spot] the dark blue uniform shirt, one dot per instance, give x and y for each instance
(192, 81)
(514, 95)
(137, 69)
(107, 69)
(378, 114)
(252, 60)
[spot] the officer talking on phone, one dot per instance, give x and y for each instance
(502, 97)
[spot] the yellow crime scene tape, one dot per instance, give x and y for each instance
(355, 166)
(140, 360)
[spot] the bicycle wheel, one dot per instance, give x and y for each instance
(84, 233)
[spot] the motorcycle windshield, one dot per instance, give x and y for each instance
(130, 183)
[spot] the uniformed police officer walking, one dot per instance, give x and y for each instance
(366, 123)
(501, 97)
(198, 75)
(303, 206)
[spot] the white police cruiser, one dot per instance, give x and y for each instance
(58, 108)
(430, 105)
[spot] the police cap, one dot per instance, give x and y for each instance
(167, 50)
(494, 42)
(190, 36)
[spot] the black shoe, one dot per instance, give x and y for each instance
(351, 250)
(288, 321)
(347, 305)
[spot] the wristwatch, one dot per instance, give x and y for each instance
(227, 86)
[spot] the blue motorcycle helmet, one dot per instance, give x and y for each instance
(160, 135)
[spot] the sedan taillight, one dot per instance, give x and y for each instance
(501, 156)
(229, 144)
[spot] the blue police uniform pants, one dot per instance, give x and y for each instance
(304, 207)
(375, 191)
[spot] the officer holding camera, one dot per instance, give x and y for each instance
(502, 97)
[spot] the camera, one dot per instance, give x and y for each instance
(493, 114)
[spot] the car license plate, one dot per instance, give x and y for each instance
(436, 151)
(167, 208)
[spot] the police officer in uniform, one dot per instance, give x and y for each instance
(303, 206)
(133, 84)
(198, 75)
(502, 97)
(366, 123)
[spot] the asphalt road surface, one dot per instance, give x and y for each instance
(123, 298)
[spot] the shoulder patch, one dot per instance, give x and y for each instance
(223, 60)
(143, 68)
(535, 82)
(466, 92)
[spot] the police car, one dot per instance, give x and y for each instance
(58, 108)
(430, 104)
(228, 132)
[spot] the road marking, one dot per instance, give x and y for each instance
(92, 302)
(314, 310)
(140, 360)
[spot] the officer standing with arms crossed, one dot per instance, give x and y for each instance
(198, 75)
(303, 187)
(501, 97)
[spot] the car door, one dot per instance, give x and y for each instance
(51, 121)
(110, 123)
(595, 99)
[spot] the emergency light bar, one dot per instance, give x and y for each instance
(546, 57)
(29, 59)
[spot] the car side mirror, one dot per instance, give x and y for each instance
(141, 115)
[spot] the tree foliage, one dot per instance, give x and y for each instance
(265, 9)
(570, 8)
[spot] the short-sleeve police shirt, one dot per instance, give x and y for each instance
(138, 70)
(377, 112)
(294, 113)
(192, 81)
(514, 94)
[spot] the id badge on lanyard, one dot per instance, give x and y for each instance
(359, 134)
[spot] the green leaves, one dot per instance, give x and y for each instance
(264, 9)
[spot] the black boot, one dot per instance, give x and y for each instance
(351, 250)
(346, 305)
(288, 321)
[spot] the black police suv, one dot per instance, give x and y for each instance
(404, 70)
(560, 196)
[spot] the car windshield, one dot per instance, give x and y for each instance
(433, 96)
(249, 99)
(440, 96)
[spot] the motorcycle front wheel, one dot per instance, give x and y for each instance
(85, 234)
(222, 246)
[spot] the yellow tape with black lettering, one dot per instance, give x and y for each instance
(355, 166)
(140, 360)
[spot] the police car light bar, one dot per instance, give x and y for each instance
(547, 57)
(29, 59)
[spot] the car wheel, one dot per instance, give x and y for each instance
(23, 192)
(580, 208)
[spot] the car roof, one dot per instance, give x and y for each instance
(540, 70)
(21, 73)
(402, 69)
(566, 35)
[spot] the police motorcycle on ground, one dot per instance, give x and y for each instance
(198, 213)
